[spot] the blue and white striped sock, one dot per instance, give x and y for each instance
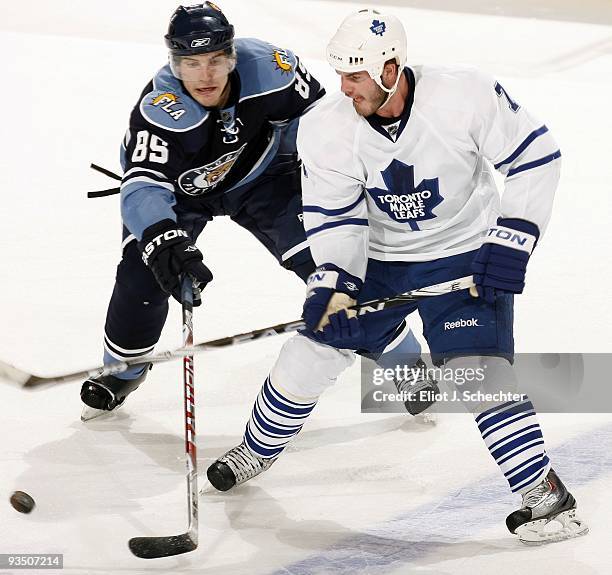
(114, 353)
(275, 421)
(512, 433)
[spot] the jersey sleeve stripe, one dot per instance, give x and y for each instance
(334, 212)
(147, 182)
(283, 87)
(127, 240)
(147, 170)
(522, 147)
(535, 163)
(295, 250)
(328, 225)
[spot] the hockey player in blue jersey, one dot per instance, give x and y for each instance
(398, 196)
(212, 134)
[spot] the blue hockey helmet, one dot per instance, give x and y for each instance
(199, 29)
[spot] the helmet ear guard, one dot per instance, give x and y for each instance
(365, 41)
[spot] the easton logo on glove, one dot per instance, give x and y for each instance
(511, 238)
(501, 262)
(149, 248)
(169, 252)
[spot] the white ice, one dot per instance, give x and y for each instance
(356, 493)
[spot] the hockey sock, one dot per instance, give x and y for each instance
(513, 436)
(275, 420)
(113, 353)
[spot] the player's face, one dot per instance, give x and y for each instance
(366, 94)
(206, 77)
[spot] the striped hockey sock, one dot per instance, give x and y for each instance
(114, 353)
(512, 433)
(275, 420)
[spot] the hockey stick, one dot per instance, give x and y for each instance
(154, 547)
(103, 193)
(28, 380)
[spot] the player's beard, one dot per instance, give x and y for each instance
(370, 105)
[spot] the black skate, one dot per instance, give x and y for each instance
(548, 514)
(235, 467)
(102, 394)
(420, 391)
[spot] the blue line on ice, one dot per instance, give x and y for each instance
(454, 519)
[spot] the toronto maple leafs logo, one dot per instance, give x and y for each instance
(378, 27)
(402, 201)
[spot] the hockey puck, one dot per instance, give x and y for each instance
(22, 502)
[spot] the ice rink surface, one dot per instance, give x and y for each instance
(355, 493)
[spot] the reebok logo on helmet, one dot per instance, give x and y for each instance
(199, 42)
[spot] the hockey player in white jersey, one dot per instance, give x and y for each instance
(398, 195)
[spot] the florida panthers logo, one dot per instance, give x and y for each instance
(282, 61)
(201, 180)
(402, 201)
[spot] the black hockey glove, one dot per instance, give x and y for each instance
(169, 252)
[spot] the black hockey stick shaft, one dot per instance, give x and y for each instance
(105, 172)
(154, 547)
(28, 380)
(110, 191)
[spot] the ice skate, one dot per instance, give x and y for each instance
(420, 391)
(235, 467)
(104, 394)
(548, 514)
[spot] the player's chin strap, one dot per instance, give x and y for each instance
(389, 91)
(110, 191)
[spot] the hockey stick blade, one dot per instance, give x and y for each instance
(27, 380)
(14, 374)
(155, 547)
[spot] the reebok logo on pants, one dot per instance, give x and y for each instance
(472, 322)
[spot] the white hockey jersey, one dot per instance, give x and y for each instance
(419, 188)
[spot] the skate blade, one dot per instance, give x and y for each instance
(208, 488)
(563, 526)
(90, 413)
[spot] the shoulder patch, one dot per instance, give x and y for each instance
(263, 68)
(169, 107)
(283, 60)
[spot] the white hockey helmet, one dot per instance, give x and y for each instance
(365, 41)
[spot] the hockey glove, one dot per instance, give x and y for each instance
(501, 261)
(330, 291)
(169, 252)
